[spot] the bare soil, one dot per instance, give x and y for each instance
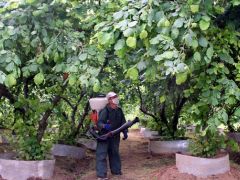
(137, 164)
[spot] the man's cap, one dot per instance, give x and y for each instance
(111, 95)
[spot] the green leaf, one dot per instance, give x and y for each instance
(132, 24)
(158, 58)
(230, 100)
(165, 55)
(105, 38)
(141, 65)
(31, 1)
(188, 39)
(164, 22)
(168, 54)
(181, 78)
(56, 57)
(11, 30)
(204, 25)
(10, 80)
(40, 59)
(194, 8)
(226, 57)
(236, 2)
(178, 23)
(174, 33)
(132, 73)
(197, 56)
(2, 77)
(37, 13)
(162, 99)
(122, 24)
(131, 42)
(203, 42)
(206, 18)
(194, 44)
(237, 112)
(118, 15)
(143, 34)
(120, 44)
(210, 52)
(155, 40)
(1, 25)
(10, 67)
(128, 32)
(34, 42)
(83, 56)
(72, 80)
(181, 67)
(121, 53)
(96, 86)
(224, 116)
(33, 67)
(203, 133)
(38, 78)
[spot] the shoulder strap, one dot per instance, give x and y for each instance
(107, 112)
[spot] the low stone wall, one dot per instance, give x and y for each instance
(88, 143)
(202, 167)
(167, 147)
(147, 133)
(22, 170)
(68, 151)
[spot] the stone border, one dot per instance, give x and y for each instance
(167, 147)
(88, 143)
(68, 151)
(147, 133)
(202, 167)
(22, 170)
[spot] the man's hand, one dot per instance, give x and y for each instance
(107, 127)
(125, 135)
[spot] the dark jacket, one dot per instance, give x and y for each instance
(115, 117)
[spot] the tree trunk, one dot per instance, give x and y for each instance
(179, 105)
(85, 113)
(42, 125)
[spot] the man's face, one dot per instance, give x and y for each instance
(113, 101)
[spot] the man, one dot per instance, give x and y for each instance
(110, 118)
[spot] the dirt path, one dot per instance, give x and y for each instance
(137, 164)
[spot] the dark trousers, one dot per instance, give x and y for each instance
(108, 148)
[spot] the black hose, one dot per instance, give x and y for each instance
(114, 132)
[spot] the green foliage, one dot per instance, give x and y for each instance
(209, 143)
(152, 125)
(163, 55)
(206, 144)
(65, 133)
(40, 42)
(29, 149)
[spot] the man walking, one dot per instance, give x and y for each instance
(110, 118)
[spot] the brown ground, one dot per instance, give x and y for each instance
(137, 164)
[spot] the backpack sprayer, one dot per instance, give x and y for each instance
(97, 104)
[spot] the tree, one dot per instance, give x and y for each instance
(171, 49)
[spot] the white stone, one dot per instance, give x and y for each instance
(22, 170)
(202, 167)
(68, 151)
(163, 147)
